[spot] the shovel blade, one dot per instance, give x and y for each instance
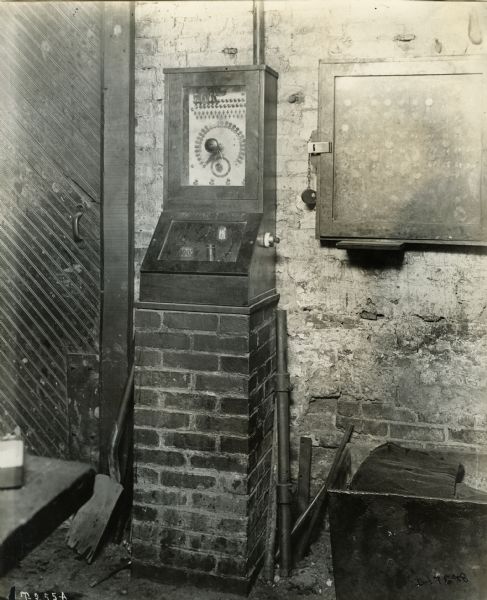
(91, 520)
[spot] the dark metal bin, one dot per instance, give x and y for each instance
(399, 547)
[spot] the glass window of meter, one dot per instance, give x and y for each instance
(214, 136)
(203, 241)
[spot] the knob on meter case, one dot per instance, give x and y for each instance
(309, 197)
(270, 240)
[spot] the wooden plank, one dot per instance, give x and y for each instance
(54, 489)
(118, 206)
(319, 501)
(304, 473)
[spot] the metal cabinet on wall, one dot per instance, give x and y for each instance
(407, 158)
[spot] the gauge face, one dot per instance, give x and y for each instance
(215, 151)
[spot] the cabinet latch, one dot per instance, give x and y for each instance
(319, 147)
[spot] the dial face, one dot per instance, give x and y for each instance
(215, 151)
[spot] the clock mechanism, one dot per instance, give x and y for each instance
(216, 136)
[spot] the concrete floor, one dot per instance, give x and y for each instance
(54, 567)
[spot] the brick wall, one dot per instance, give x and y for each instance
(203, 420)
(396, 344)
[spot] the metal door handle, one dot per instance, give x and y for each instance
(75, 225)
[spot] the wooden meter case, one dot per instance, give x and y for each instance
(408, 159)
(213, 243)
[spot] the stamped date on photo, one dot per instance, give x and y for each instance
(446, 579)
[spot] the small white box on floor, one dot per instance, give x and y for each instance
(11, 463)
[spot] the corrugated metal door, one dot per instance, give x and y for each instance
(50, 123)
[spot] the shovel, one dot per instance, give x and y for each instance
(90, 522)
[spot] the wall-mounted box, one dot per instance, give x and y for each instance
(408, 158)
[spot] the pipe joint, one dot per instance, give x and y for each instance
(283, 383)
(284, 493)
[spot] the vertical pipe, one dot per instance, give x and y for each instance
(259, 42)
(283, 486)
(271, 525)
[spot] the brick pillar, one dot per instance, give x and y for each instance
(203, 429)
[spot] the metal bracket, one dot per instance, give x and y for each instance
(319, 147)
